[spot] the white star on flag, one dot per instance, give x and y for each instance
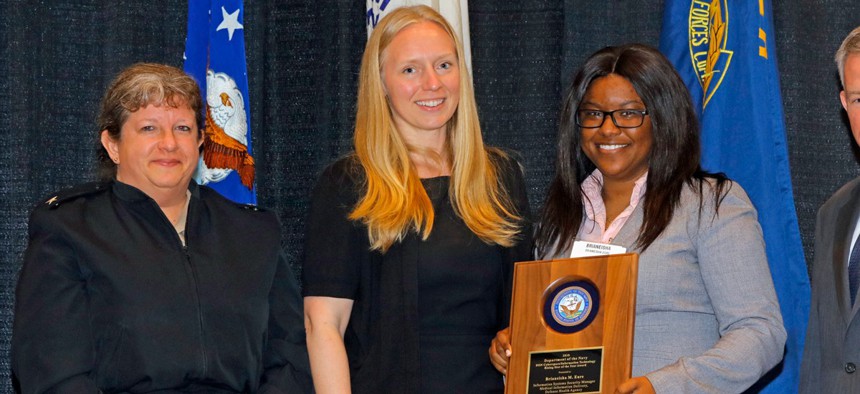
(230, 22)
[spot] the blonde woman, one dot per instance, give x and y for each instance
(412, 237)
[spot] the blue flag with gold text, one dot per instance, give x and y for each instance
(726, 53)
(215, 57)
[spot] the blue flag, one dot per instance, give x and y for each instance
(726, 53)
(215, 57)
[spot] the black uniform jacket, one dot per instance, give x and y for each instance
(109, 299)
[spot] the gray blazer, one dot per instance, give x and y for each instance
(707, 316)
(832, 350)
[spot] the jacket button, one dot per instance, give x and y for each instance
(850, 367)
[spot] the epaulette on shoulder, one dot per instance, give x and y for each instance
(209, 193)
(251, 207)
(75, 192)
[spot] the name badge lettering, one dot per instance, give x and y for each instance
(587, 248)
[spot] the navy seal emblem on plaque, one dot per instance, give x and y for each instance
(571, 306)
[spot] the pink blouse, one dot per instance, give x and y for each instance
(593, 227)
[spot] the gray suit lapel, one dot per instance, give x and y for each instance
(843, 232)
(628, 234)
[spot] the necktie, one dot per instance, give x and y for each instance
(854, 269)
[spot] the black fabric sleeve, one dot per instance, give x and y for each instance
(52, 340)
(514, 184)
(285, 358)
(333, 244)
(516, 188)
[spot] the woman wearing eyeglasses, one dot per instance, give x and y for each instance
(628, 174)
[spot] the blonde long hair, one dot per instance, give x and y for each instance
(394, 200)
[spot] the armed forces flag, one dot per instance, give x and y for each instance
(726, 53)
(215, 57)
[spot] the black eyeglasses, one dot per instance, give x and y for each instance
(623, 118)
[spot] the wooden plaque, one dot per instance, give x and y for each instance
(572, 325)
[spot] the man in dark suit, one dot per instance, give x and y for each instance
(832, 353)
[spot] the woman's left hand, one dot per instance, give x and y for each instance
(637, 385)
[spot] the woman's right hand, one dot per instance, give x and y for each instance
(500, 350)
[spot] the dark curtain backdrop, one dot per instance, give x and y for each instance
(58, 56)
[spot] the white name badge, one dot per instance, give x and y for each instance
(586, 248)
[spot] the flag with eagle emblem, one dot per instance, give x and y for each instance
(726, 53)
(215, 57)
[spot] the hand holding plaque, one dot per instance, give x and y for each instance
(572, 325)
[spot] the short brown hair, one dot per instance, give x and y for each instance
(138, 86)
(850, 45)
